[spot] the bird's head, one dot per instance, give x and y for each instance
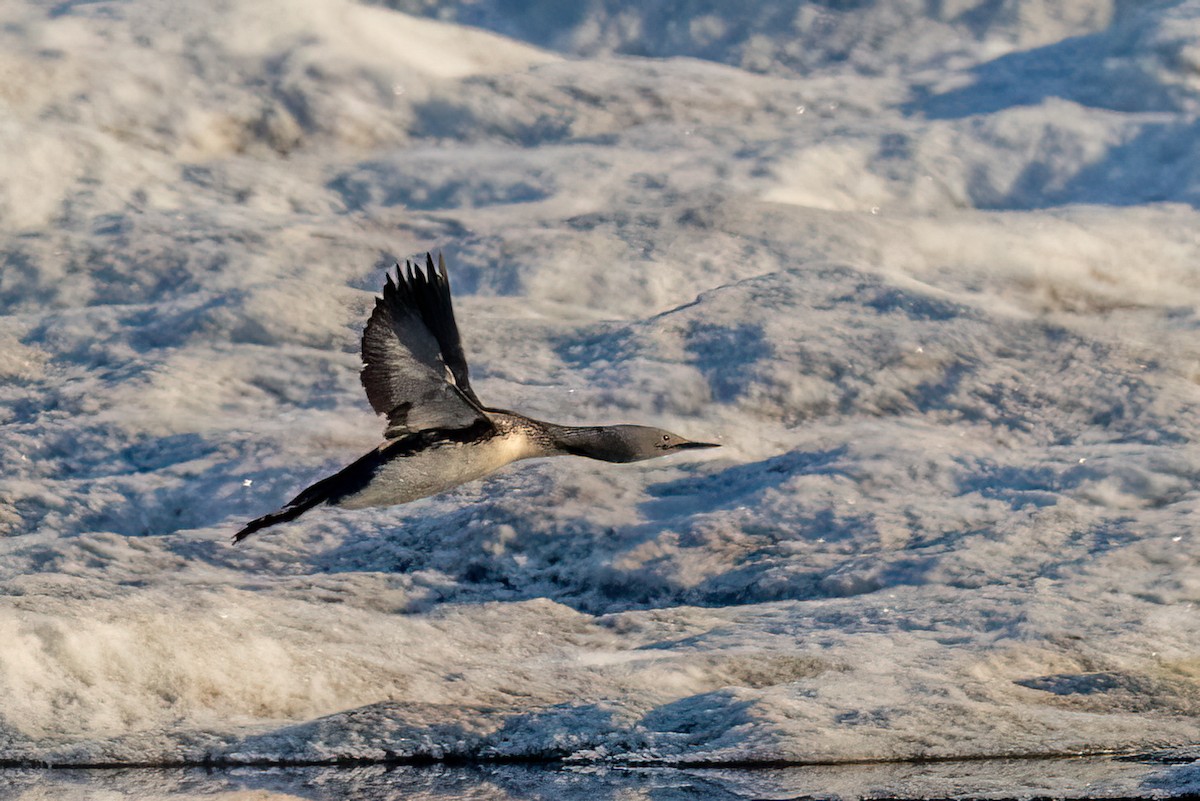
(626, 443)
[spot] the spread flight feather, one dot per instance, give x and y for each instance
(414, 369)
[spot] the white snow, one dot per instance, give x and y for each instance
(929, 276)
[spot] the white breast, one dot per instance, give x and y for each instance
(438, 468)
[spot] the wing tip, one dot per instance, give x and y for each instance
(413, 273)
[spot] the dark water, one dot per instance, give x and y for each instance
(1058, 778)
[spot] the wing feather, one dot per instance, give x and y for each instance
(431, 293)
(414, 368)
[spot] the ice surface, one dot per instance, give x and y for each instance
(932, 284)
(1094, 777)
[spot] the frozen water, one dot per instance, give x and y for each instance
(997, 779)
(930, 276)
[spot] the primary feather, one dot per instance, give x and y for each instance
(414, 369)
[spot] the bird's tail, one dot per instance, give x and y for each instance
(346, 481)
(282, 516)
(315, 495)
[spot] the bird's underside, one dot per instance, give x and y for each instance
(438, 433)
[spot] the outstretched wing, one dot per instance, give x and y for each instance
(414, 370)
(431, 289)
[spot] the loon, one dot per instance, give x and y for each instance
(439, 434)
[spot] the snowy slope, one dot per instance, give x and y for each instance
(929, 276)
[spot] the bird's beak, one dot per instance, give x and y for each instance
(687, 446)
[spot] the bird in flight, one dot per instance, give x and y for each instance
(439, 434)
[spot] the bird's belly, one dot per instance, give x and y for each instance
(407, 478)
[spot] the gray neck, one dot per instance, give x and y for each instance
(595, 442)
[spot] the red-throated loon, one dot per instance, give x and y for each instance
(439, 434)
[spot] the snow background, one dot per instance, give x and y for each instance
(928, 271)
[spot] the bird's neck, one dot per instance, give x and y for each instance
(552, 439)
(594, 442)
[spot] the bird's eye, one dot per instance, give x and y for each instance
(666, 437)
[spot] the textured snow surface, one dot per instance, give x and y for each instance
(932, 277)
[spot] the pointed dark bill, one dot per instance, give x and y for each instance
(685, 446)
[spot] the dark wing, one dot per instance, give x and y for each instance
(431, 289)
(414, 370)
